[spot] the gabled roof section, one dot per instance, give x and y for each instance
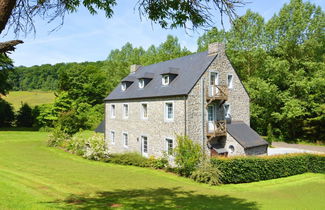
(189, 69)
(245, 135)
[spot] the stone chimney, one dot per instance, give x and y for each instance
(216, 48)
(134, 67)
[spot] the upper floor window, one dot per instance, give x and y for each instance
(169, 146)
(112, 136)
(144, 111)
(230, 80)
(125, 139)
(123, 86)
(169, 111)
(227, 111)
(112, 110)
(141, 83)
(125, 110)
(165, 79)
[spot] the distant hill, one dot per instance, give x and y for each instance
(33, 98)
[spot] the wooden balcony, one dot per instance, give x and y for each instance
(216, 128)
(217, 92)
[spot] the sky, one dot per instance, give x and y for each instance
(85, 37)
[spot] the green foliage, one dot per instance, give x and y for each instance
(57, 137)
(207, 173)
(136, 159)
(7, 115)
(25, 116)
(252, 169)
(188, 155)
(5, 69)
(95, 148)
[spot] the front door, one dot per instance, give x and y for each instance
(214, 81)
(211, 118)
(144, 145)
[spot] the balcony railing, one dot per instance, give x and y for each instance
(217, 92)
(216, 128)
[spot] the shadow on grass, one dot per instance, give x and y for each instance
(160, 198)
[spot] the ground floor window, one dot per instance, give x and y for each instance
(169, 146)
(112, 136)
(125, 139)
(144, 145)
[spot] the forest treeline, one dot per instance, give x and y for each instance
(280, 61)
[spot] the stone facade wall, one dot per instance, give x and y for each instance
(238, 100)
(155, 128)
(238, 149)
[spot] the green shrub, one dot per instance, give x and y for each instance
(129, 158)
(57, 138)
(25, 117)
(207, 173)
(187, 155)
(7, 114)
(252, 169)
(95, 148)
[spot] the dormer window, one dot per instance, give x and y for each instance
(123, 86)
(165, 79)
(141, 83)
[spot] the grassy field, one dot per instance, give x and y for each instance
(33, 98)
(33, 176)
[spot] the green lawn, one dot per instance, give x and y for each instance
(33, 98)
(33, 176)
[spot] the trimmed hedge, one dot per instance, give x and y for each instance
(252, 169)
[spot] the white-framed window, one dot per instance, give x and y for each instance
(144, 111)
(141, 83)
(227, 111)
(123, 86)
(144, 143)
(169, 146)
(125, 139)
(112, 137)
(165, 80)
(113, 114)
(125, 111)
(169, 111)
(230, 80)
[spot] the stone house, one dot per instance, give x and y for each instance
(199, 95)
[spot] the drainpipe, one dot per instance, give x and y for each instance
(185, 113)
(203, 114)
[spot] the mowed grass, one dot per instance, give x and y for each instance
(34, 176)
(33, 98)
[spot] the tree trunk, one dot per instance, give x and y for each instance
(6, 7)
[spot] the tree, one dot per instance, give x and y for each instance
(5, 68)
(20, 14)
(7, 114)
(25, 116)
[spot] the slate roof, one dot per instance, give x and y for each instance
(189, 69)
(245, 135)
(101, 127)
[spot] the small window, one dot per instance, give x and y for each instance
(227, 110)
(231, 149)
(125, 110)
(169, 146)
(123, 86)
(169, 111)
(141, 83)
(230, 81)
(112, 110)
(125, 139)
(165, 79)
(144, 111)
(144, 145)
(112, 136)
